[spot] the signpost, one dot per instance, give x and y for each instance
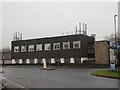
(112, 66)
(118, 46)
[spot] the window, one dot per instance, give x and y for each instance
(23, 48)
(76, 44)
(56, 46)
(48, 46)
(31, 48)
(62, 60)
(16, 49)
(72, 60)
(66, 45)
(39, 47)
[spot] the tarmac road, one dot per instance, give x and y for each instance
(34, 77)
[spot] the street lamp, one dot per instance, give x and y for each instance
(115, 28)
(115, 37)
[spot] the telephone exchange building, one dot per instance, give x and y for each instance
(60, 49)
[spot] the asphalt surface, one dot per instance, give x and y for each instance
(0, 77)
(35, 77)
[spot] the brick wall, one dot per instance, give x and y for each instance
(102, 52)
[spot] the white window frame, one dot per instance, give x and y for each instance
(54, 46)
(30, 47)
(46, 46)
(16, 49)
(39, 47)
(76, 42)
(68, 43)
(23, 48)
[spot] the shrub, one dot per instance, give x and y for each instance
(88, 62)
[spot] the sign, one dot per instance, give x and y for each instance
(118, 46)
(112, 67)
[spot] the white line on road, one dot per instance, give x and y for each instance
(14, 83)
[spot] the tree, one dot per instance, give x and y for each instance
(5, 50)
(111, 38)
(113, 42)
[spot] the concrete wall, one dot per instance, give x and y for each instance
(102, 52)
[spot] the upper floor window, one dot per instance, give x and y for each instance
(16, 49)
(23, 48)
(76, 44)
(39, 47)
(48, 46)
(31, 48)
(66, 45)
(56, 46)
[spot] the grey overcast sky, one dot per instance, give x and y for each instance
(42, 19)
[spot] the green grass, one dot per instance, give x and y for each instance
(107, 73)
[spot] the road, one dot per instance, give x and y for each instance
(34, 77)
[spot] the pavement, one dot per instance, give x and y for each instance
(1, 86)
(35, 77)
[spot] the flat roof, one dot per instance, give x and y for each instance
(53, 37)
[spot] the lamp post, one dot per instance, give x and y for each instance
(115, 37)
(115, 28)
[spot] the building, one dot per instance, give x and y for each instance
(102, 53)
(61, 49)
(6, 56)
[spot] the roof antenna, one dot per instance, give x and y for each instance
(76, 30)
(67, 33)
(79, 28)
(83, 28)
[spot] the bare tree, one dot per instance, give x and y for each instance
(111, 38)
(5, 50)
(113, 42)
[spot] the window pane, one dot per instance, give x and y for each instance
(39, 47)
(16, 49)
(31, 47)
(66, 45)
(76, 44)
(56, 46)
(23, 48)
(47, 46)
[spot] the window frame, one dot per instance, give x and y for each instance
(68, 43)
(18, 50)
(40, 47)
(29, 49)
(45, 48)
(76, 42)
(25, 48)
(54, 46)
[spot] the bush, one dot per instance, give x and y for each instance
(117, 71)
(88, 62)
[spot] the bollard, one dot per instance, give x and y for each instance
(44, 64)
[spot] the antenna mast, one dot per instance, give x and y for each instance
(17, 36)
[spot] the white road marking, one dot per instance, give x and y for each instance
(13, 83)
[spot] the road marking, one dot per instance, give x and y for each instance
(13, 83)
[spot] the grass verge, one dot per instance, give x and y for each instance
(107, 73)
